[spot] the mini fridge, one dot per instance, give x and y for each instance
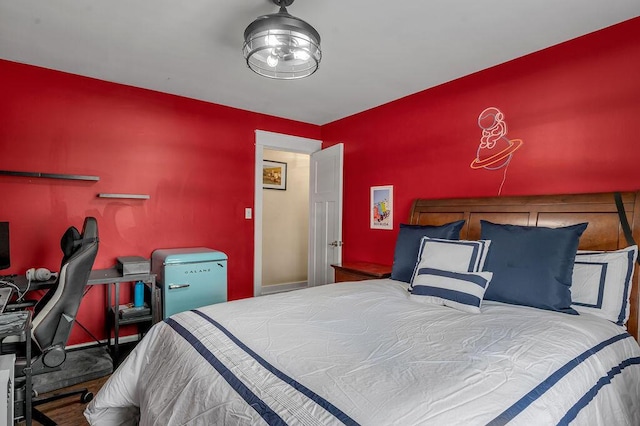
(189, 278)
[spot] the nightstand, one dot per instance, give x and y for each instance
(358, 271)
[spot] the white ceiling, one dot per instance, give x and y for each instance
(373, 51)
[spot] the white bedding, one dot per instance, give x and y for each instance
(365, 353)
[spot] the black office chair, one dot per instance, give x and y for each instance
(55, 312)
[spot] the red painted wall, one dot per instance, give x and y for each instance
(195, 160)
(576, 106)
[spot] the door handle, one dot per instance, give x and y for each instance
(175, 286)
(336, 244)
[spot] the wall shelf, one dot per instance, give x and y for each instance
(49, 175)
(129, 196)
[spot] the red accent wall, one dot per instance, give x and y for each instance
(195, 160)
(576, 106)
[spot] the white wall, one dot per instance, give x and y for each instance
(285, 222)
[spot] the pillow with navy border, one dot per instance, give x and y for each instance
(532, 266)
(408, 243)
(463, 291)
(602, 283)
(451, 255)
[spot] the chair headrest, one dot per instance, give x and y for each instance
(70, 240)
(90, 229)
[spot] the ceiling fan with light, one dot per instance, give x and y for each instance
(281, 46)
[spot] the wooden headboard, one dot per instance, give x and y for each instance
(599, 210)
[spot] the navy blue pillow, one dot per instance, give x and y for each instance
(408, 245)
(532, 266)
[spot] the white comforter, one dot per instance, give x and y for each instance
(365, 353)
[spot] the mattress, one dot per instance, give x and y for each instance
(366, 353)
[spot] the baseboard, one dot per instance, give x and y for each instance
(280, 288)
(121, 340)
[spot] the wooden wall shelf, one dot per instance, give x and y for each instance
(129, 196)
(49, 175)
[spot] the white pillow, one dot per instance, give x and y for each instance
(459, 290)
(601, 283)
(451, 255)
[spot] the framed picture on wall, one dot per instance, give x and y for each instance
(274, 175)
(381, 208)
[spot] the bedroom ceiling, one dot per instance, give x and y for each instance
(373, 51)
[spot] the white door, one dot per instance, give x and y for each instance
(325, 214)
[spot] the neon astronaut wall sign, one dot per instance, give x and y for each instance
(495, 150)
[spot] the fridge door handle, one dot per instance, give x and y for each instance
(175, 286)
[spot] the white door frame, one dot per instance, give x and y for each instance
(280, 142)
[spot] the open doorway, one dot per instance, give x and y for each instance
(285, 221)
(278, 142)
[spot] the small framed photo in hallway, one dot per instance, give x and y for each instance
(274, 175)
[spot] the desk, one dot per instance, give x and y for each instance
(19, 324)
(97, 277)
(112, 278)
(21, 282)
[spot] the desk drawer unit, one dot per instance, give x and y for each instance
(189, 278)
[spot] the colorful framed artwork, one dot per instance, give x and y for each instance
(381, 208)
(274, 175)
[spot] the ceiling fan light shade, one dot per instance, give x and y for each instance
(281, 46)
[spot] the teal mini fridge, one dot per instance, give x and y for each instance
(189, 278)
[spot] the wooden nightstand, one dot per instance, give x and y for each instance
(358, 271)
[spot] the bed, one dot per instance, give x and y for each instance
(375, 353)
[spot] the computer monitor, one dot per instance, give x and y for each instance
(5, 259)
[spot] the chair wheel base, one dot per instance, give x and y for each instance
(86, 397)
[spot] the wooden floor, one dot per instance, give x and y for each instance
(68, 411)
